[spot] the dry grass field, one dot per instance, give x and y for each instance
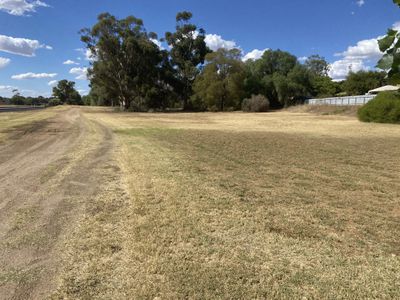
(282, 205)
(12, 121)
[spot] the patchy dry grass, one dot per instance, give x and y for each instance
(10, 121)
(325, 110)
(241, 206)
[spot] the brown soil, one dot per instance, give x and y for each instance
(48, 170)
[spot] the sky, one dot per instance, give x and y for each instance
(40, 43)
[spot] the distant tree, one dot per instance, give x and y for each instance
(390, 45)
(324, 86)
(300, 83)
(127, 62)
(317, 65)
(66, 92)
(277, 61)
(188, 51)
(279, 77)
(359, 83)
(221, 84)
(17, 98)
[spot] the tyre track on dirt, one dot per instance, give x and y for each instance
(48, 172)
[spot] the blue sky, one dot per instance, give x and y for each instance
(37, 37)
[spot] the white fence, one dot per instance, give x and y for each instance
(352, 100)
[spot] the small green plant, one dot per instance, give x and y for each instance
(385, 108)
(257, 103)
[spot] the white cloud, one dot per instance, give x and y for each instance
(87, 53)
(341, 68)
(157, 42)
(52, 82)
(396, 26)
(81, 73)
(83, 92)
(70, 62)
(363, 56)
(360, 2)
(31, 75)
(7, 88)
(356, 58)
(20, 7)
(366, 49)
(20, 46)
(215, 42)
(4, 62)
(302, 59)
(254, 55)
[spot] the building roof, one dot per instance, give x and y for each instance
(386, 88)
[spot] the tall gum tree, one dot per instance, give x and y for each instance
(127, 61)
(188, 52)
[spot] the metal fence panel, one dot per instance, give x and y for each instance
(339, 101)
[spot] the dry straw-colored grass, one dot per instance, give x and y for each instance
(11, 121)
(242, 206)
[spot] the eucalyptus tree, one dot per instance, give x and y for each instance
(65, 91)
(187, 51)
(126, 62)
(317, 65)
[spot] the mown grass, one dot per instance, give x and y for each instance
(11, 121)
(234, 206)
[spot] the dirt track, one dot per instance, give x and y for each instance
(48, 171)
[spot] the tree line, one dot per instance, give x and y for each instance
(130, 69)
(63, 93)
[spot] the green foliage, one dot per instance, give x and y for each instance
(188, 52)
(65, 91)
(363, 81)
(385, 108)
(128, 66)
(324, 86)
(279, 77)
(18, 99)
(54, 102)
(130, 70)
(257, 103)
(390, 44)
(317, 65)
(220, 85)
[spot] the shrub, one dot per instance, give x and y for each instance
(384, 108)
(54, 102)
(257, 103)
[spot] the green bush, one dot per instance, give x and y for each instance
(54, 102)
(385, 108)
(257, 103)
